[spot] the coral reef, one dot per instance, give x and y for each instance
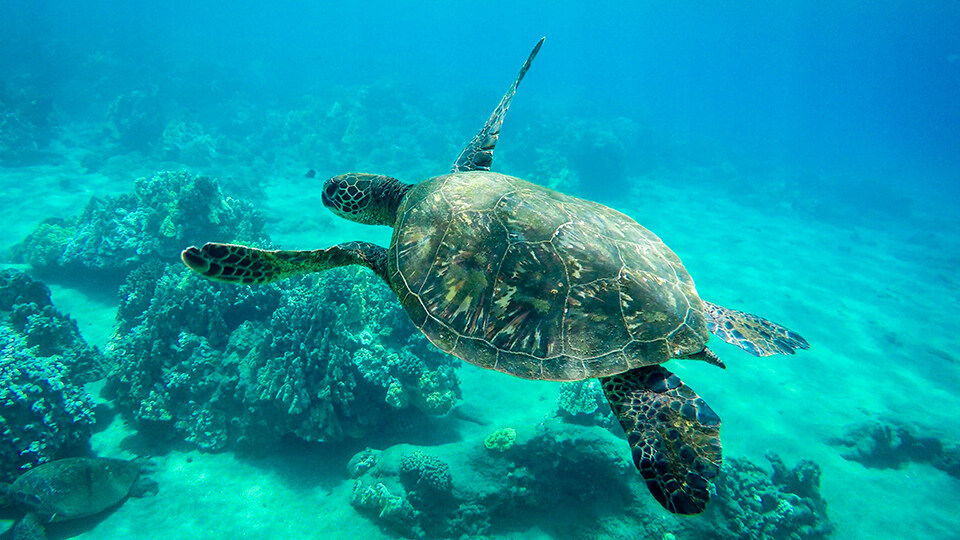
(42, 414)
(752, 503)
(187, 143)
(500, 440)
(583, 402)
(173, 369)
(394, 511)
(426, 480)
(362, 462)
(346, 131)
(164, 213)
(323, 357)
(340, 348)
(892, 445)
(44, 330)
(19, 288)
(137, 119)
(25, 125)
(546, 474)
(44, 245)
(586, 157)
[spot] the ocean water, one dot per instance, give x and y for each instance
(800, 158)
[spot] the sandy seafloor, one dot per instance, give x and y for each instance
(877, 300)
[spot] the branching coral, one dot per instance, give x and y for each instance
(408, 491)
(335, 354)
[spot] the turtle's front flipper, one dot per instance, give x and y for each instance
(245, 265)
(478, 155)
(673, 434)
(29, 528)
(751, 333)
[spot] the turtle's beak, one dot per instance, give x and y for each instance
(192, 258)
(329, 189)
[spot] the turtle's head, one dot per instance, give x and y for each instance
(365, 198)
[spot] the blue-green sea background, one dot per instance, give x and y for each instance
(802, 158)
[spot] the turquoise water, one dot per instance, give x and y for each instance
(800, 159)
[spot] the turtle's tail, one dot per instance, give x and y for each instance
(751, 333)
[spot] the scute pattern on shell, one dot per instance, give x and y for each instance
(75, 487)
(515, 277)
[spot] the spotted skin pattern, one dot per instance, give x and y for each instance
(751, 333)
(674, 435)
(371, 199)
(231, 263)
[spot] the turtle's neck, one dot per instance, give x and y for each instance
(389, 192)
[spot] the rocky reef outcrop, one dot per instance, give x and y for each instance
(505, 482)
(44, 410)
(114, 235)
(893, 445)
(325, 357)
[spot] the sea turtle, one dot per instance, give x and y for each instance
(514, 277)
(72, 488)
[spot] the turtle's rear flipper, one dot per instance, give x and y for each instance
(751, 333)
(231, 263)
(673, 434)
(144, 487)
(29, 528)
